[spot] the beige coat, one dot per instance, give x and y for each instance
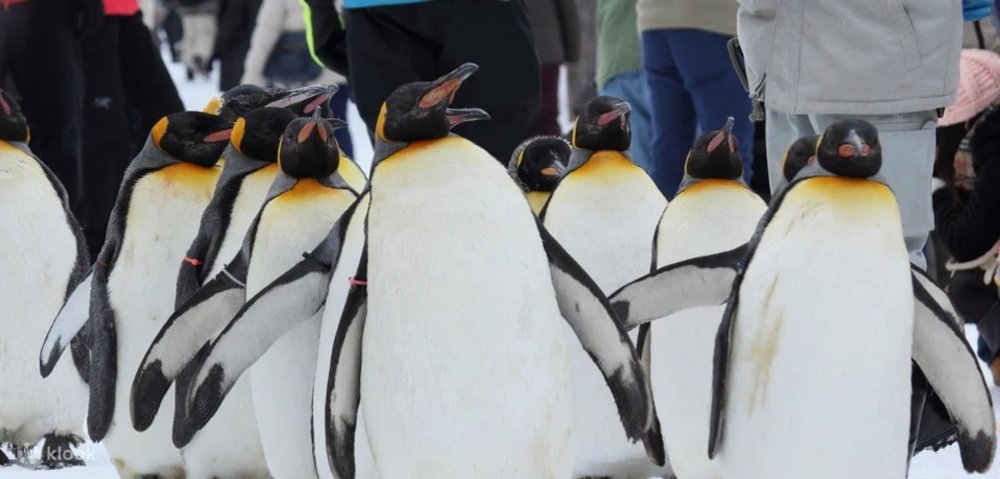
(277, 17)
(713, 15)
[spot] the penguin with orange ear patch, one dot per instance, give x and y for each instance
(604, 212)
(537, 165)
(156, 215)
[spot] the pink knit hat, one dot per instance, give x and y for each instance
(978, 86)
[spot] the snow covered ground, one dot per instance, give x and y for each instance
(945, 464)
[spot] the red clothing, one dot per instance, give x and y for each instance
(125, 8)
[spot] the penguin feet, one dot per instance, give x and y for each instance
(57, 452)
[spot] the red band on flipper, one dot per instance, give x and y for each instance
(356, 282)
(192, 261)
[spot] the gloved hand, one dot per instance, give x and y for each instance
(88, 16)
(198, 42)
(973, 10)
(329, 37)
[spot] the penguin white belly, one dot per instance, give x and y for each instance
(347, 266)
(229, 445)
(465, 369)
(162, 219)
(282, 379)
(38, 252)
(253, 192)
(819, 381)
(708, 217)
(605, 214)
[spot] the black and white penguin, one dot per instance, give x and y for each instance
(162, 196)
(714, 211)
(823, 316)
(604, 212)
(310, 185)
(443, 352)
(537, 165)
(44, 257)
(800, 153)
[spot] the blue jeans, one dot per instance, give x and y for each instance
(631, 87)
(692, 87)
(338, 106)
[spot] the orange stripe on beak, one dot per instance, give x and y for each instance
(221, 135)
(306, 131)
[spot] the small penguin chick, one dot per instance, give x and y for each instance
(258, 133)
(193, 136)
(419, 111)
(715, 154)
(799, 154)
(850, 148)
(540, 162)
(603, 125)
(13, 124)
(309, 149)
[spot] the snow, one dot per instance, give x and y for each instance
(945, 464)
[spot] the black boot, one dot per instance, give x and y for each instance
(4, 460)
(57, 452)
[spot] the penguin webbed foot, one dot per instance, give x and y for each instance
(58, 453)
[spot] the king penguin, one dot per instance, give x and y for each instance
(33, 285)
(604, 212)
(798, 155)
(714, 211)
(823, 317)
(537, 165)
(443, 333)
(162, 196)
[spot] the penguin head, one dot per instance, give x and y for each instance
(798, 155)
(715, 154)
(258, 133)
(419, 111)
(308, 148)
(850, 148)
(306, 100)
(539, 163)
(192, 136)
(603, 125)
(13, 124)
(239, 100)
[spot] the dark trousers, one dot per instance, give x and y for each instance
(692, 87)
(338, 106)
(549, 120)
(41, 54)
(390, 46)
(128, 89)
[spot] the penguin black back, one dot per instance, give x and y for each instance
(715, 154)
(258, 133)
(419, 111)
(799, 154)
(603, 125)
(850, 148)
(13, 124)
(309, 149)
(539, 163)
(192, 136)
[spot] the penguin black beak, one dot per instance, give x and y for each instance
(221, 135)
(443, 89)
(457, 116)
(4, 105)
(315, 95)
(337, 123)
(724, 135)
(618, 111)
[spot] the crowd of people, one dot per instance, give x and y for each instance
(91, 79)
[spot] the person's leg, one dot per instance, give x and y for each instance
(549, 120)
(43, 57)
(908, 143)
(703, 62)
(384, 55)
(338, 106)
(631, 87)
(496, 36)
(782, 130)
(107, 148)
(673, 127)
(147, 83)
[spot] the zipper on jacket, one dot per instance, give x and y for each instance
(757, 101)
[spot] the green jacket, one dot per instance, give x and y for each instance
(618, 47)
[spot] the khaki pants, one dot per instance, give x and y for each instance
(908, 142)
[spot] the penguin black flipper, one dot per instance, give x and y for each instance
(104, 347)
(702, 281)
(184, 333)
(952, 370)
(343, 394)
(589, 313)
(295, 296)
(67, 326)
